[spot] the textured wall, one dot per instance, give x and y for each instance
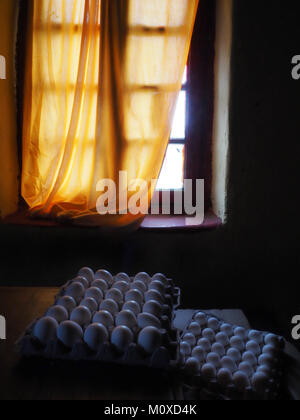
(8, 148)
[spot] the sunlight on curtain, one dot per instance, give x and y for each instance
(102, 81)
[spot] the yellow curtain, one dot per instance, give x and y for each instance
(102, 81)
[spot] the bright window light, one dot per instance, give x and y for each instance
(178, 130)
(171, 176)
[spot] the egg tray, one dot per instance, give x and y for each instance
(207, 389)
(166, 357)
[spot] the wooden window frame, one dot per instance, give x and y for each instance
(200, 102)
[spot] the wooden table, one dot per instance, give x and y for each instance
(28, 380)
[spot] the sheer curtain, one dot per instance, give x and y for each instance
(102, 81)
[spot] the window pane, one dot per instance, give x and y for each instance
(184, 80)
(172, 173)
(178, 129)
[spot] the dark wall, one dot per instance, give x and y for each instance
(252, 262)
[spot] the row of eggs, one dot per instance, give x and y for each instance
(95, 335)
(227, 353)
(83, 316)
(104, 280)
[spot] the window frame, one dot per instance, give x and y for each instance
(200, 96)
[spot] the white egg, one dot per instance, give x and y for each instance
(94, 293)
(214, 324)
(134, 295)
(81, 315)
(153, 307)
(260, 382)
(122, 277)
(192, 366)
(247, 368)
(205, 344)
(264, 369)
(85, 283)
(228, 363)
(167, 310)
(237, 343)
(132, 306)
(59, 313)
(100, 284)
(222, 338)
(126, 318)
(240, 332)
(88, 273)
(189, 338)
(201, 318)
(150, 339)
(266, 360)
(160, 277)
(95, 335)
(110, 306)
(45, 330)
(158, 286)
(144, 277)
(75, 290)
(234, 354)
(270, 350)
(209, 334)
(195, 329)
(224, 377)
(272, 339)
(148, 320)
(139, 285)
(154, 295)
(249, 357)
(122, 337)
(256, 336)
(104, 275)
(209, 371)
(253, 347)
(185, 348)
(114, 294)
(219, 349)
(122, 286)
(105, 318)
(199, 353)
(69, 333)
(241, 380)
(90, 303)
(67, 302)
(227, 329)
(214, 359)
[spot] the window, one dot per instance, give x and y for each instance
(172, 173)
(189, 154)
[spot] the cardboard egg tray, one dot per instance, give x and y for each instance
(164, 357)
(201, 388)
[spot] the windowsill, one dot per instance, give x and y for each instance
(150, 223)
(174, 223)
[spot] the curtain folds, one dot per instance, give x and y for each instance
(102, 81)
